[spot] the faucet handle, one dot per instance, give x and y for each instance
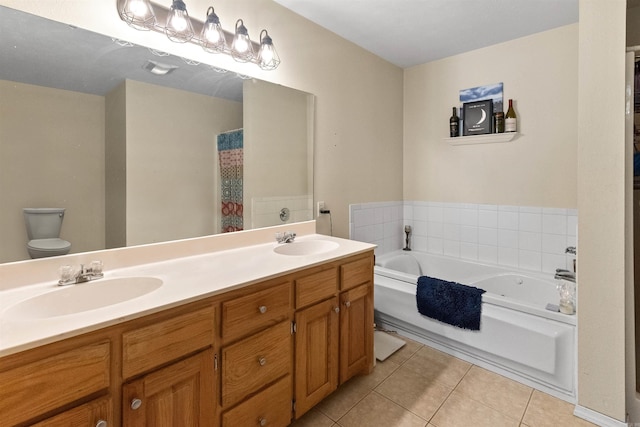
(570, 250)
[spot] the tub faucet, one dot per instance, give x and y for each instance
(570, 250)
(561, 273)
(286, 237)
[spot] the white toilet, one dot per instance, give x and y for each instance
(43, 229)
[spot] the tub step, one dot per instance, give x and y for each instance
(385, 345)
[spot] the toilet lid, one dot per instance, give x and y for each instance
(48, 244)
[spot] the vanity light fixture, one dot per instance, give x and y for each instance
(212, 37)
(138, 14)
(241, 49)
(268, 58)
(180, 28)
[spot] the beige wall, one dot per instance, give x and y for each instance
(171, 179)
(601, 207)
(116, 168)
(51, 155)
(276, 150)
(538, 168)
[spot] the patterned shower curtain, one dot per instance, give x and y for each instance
(230, 155)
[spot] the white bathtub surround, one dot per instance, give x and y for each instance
(523, 237)
(518, 337)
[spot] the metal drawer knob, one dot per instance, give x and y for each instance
(262, 421)
(262, 360)
(136, 403)
(336, 309)
(101, 423)
(347, 304)
(262, 309)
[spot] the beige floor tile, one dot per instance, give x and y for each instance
(437, 366)
(419, 395)
(313, 418)
(548, 411)
(497, 392)
(375, 410)
(460, 411)
(343, 399)
(405, 352)
(381, 372)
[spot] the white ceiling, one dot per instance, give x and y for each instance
(412, 32)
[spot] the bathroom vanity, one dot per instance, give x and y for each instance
(248, 352)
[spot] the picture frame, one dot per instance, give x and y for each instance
(478, 117)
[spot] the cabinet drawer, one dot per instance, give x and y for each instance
(255, 361)
(250, 313)
(54, 381)
(88, 414)
(162, 342)
(356, 273)
(271, 407)
(316, 287)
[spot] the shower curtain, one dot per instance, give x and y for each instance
(230, 155)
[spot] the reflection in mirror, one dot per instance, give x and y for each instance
(91, 124)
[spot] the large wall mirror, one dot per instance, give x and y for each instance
(126, 140)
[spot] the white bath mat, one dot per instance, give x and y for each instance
(385, 345)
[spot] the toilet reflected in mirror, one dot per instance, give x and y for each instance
(43, 230)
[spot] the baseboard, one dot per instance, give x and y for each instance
(597, 418)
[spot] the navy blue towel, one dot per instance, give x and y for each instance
(450, 302)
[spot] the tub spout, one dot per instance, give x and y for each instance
(565, 274)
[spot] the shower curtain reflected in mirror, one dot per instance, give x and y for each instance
(230, 154)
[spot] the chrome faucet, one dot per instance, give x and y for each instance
(570, 250)
(561, 273)
(84, 274)
(286, 237)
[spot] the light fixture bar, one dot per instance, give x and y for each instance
(161, 15)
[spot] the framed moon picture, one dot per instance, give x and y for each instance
(478, 116)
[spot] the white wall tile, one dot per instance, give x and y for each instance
(419, 243)
(554, 243)
(407, 212)
(419, 228)
(554, 224)
(488, 236)
(451, 248)
(507, 220)
(530, 260)
(552, 261)
(435, 213)
(435, 245)
(508, 239)
(530, 209)
(572, 225)
(469, 217)
(420, 213)
(507, 208)
(488, 207)
(451, 231)
(435, 229)
(530, 222)
(451, 215)
(530, 241)
(488, 218)
(468, 234)
(469, 251)
(508, 257)
(488, 254)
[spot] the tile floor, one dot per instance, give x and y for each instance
(423, 387)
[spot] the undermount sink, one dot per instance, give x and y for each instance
(305, 247)
(78, 298)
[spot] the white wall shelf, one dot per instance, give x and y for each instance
(482, 139)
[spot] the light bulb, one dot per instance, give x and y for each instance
(138, 8)
(241, 45)
(267, 54)
(212, 35)
(179, 22)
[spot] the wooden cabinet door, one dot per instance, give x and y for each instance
(316, 354)
(179, 395)
(98, 413)
(356, 331)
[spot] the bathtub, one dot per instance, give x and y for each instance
(518, 336)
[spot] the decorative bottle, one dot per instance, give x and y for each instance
(454, 124)
(510, 119)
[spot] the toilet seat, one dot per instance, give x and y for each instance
(40, 248)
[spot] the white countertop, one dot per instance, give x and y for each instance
(185, 279)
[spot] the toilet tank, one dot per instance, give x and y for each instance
(43, 223)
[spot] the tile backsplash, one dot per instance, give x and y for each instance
(524, 237)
